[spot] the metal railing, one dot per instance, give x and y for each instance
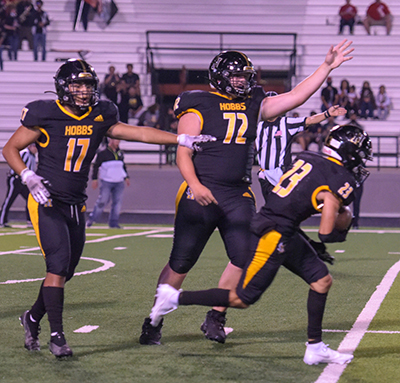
(260, 45)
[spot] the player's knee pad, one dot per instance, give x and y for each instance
(181, 266)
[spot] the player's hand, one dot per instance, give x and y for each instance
(336, 111)
(339, 54)
(203, 195)
(192, 141)
(35, 185)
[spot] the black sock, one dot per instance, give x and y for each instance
(219, 313)
(38, 310)
(58, 339)
(53, 298)
(212, 297)
(315, 308)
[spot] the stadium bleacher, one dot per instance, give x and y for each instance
(124, 40)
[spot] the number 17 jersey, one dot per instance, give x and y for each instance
(68, 144)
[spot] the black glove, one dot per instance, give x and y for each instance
(320, 248)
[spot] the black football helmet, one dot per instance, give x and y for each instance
(76, 71)
(228, 64)
(352, 146)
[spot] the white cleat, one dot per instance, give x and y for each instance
(166, 301)
(321, 353)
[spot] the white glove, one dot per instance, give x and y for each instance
(192, 141)
(35, 185)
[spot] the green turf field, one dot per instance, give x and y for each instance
(267, 342)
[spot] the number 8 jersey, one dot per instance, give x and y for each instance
(68, 144)
(234, 123)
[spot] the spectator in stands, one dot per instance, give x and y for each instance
(110, 83)
(131, 78)
(347, 13)
(329, 95)
(383, 103)
(344, 96)
(110, 168)
(135, 103)
(367, 101)
(123, 98)
(40, 22)
(150, 117)
(130, 102)
(25, 13)
(353, 100)
(378, 13)
(11, 27)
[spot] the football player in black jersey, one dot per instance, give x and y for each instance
(316, 183)
(216, 192)
(67, 133)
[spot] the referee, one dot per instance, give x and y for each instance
(15, 186)
(274, 139)
(273, 145)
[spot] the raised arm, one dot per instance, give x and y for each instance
(150, 135)
(145, 134)
(334, 111)
(278, 105)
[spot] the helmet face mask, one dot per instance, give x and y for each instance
(232, 73)
(352, 146)
(82, 93)
(77, 85)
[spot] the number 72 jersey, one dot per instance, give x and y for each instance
(234, 123)
(67, 144)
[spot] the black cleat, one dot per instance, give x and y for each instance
(32, 331)
(150, 335)
(58, 346)
(213, 326)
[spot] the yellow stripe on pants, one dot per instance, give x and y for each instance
(266, 246)
(33, 208)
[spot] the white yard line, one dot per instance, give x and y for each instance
(332, 372)
(106, 264)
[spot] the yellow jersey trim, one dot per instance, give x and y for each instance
(44, 144)
(334, 160)
(230, 98)
(315, 193)
(195, 111)
(79, 118)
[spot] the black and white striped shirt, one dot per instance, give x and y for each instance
(29, 160)
(273, 145)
